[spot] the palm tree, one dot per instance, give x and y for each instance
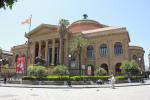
(76, 48)
(62, 31)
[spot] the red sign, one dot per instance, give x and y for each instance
(20, 65)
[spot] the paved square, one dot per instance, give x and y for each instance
(120, 93)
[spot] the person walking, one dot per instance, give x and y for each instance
(112, 81)
(5, 80)
(69, 83)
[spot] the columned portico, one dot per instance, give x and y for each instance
(47, 49)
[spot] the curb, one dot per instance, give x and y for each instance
(66, 87)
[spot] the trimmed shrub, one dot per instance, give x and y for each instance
(38, 71)
(60, 70)
(100, 72)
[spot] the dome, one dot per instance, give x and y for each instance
(84, 25)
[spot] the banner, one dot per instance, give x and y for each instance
(20, 64)
(27, 21)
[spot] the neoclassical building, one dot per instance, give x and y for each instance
(107, 47)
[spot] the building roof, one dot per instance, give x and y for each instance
(7, 52)
(104, 29)
(39, 27)
(136, 47)
(84, 25)
(19, 46)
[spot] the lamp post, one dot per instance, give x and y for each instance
(27, 56)
(139, 59)
(149, 60)
(69, 62)
(0, 64)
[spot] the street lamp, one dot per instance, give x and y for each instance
(149, 60)
(69, 62)
(139, 59)
(0, 64)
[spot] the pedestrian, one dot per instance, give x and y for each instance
(5, 80)
(142, 77)
(112, 81)
(69, 83)
(99, 82)
(129, 78)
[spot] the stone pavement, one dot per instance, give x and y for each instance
(119, 93)
(147, 82)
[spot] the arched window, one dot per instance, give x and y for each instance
(118, 69)
(103, 50)
(118, 48)
(90, 51)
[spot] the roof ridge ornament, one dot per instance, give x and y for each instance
(85, 16)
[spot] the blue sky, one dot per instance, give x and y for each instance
(133, 14)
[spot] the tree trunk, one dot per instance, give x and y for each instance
(61, 51)
(80, 61)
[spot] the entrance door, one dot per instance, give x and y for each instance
(56, 61)
(49, 56)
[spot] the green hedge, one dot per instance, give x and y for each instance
(136, 78)
(63, 78)
(88, 78)
(121, 77)
(133, 78)
(78, 78)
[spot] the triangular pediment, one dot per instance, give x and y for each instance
(41, 30)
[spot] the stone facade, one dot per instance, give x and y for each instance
(107, 46)
(8, 56)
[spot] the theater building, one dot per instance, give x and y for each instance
(108, 46)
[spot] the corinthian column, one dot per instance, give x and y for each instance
(33, 53)
(39, 53)
(53, 51)
(46, 51)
